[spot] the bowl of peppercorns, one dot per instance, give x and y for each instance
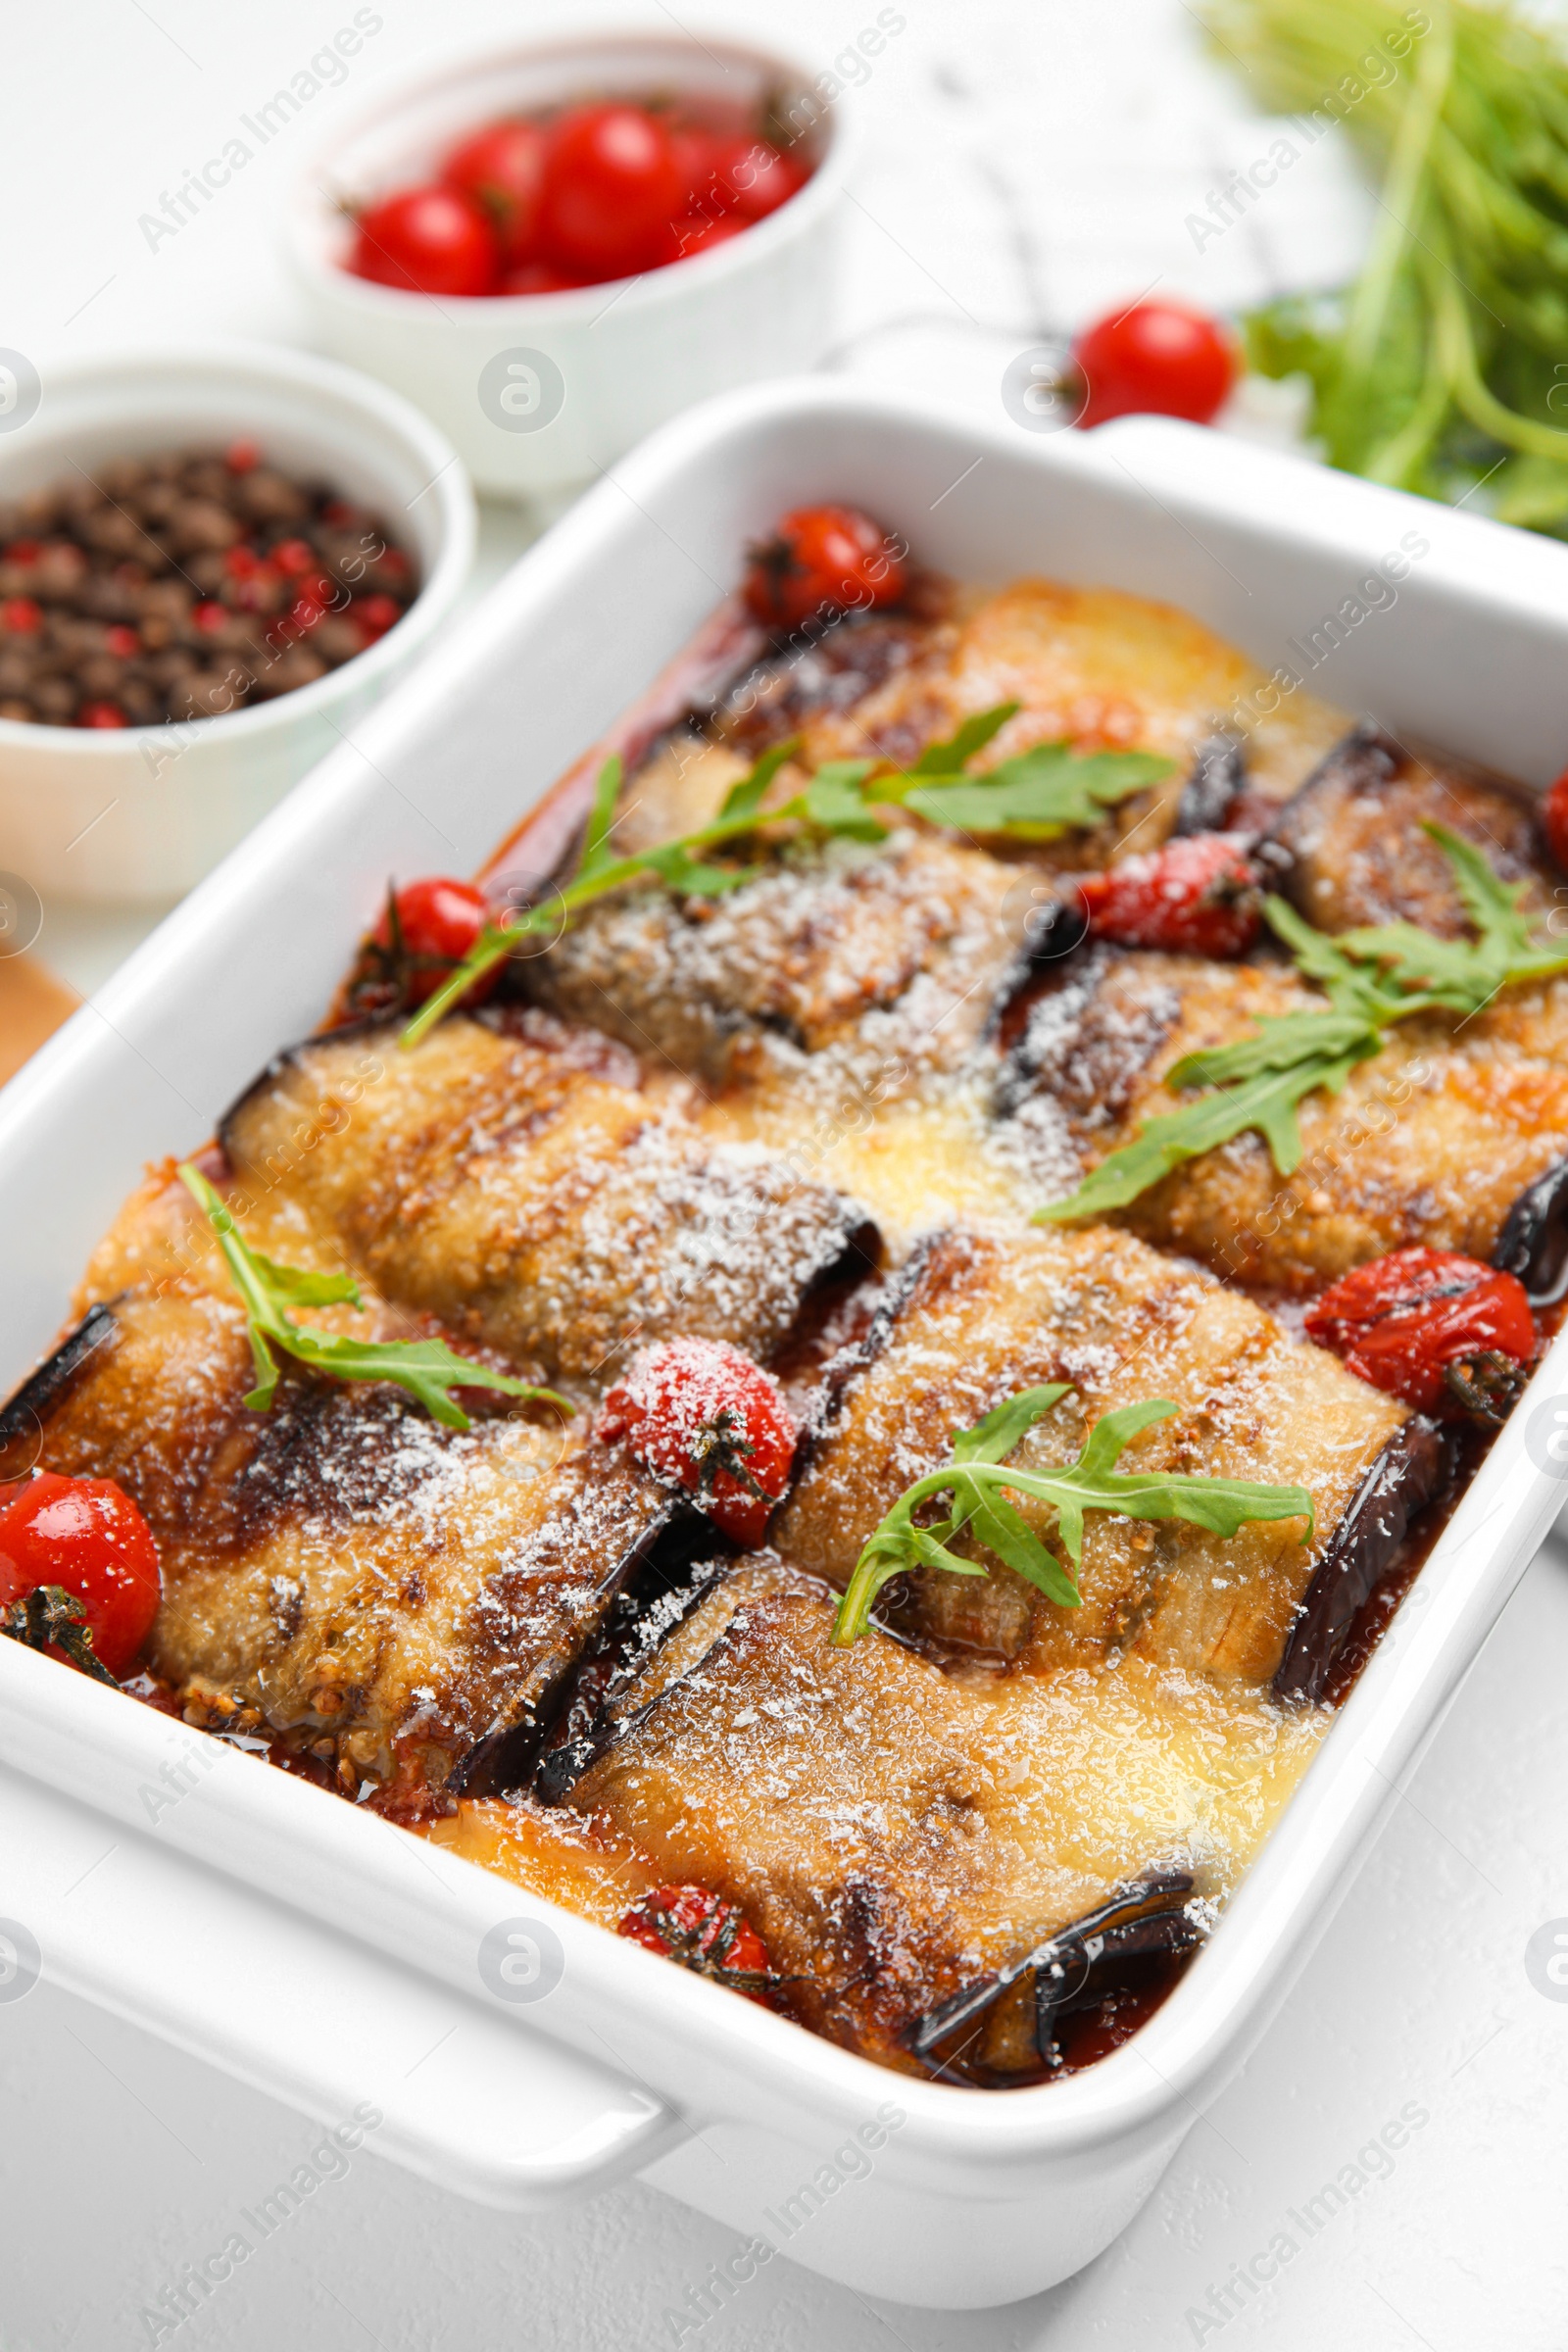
(212, 558)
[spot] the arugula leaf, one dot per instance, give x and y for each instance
(836, 801)
(1041, 794)
(595, 852)
(982, 1484)
(745, 797)
(1372, 977)
(952, 754)
(427, 1368)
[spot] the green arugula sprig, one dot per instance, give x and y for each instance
(1035, 797)
(1371, 977)
(427, 1368)
(979, 1479)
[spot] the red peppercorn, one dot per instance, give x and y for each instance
(100, 715)
(121, 640)
(375, 614)
(295, 558)
(210, 618)
(21, 616)
(1195, 897)
(22, 551)
(1444, 1332)
(242, 457)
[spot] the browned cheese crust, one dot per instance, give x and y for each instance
(517, 1180)
(1431, 1141)
(988, 1314)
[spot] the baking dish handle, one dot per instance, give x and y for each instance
(464, 2094)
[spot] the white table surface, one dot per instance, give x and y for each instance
(1028, 162)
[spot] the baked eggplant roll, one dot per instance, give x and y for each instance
(387, 1597)
(517, 1180)
(1431, 1141)
(979, 1315)
(886, 959)
(904, 1838)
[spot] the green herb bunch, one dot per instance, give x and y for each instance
(980, 1481)
(1446, 363)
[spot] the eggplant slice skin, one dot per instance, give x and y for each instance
(517, 1180)
(340, 1571)
(1348, 848)
(1414, 1469)
(987, 1313)
(1146, 1918)
(1533, 1245)
(1431, 1141)
(20, 1417)
(1217, 780)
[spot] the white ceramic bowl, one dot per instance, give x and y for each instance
(138, 815)
(617, 359)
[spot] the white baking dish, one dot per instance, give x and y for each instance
(970, 2198)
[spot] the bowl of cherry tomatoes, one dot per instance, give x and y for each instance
(554, 249)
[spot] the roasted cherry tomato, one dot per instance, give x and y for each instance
(431, 240)
(1447, 1333)
(704, 1416)
(755, 178)
(1195, 896)
(87, 1537)
(611, 186)
(1157, 359)
(1554, 819)
(502, 168)
(820, 559)
(426, 930)
(698, 1929)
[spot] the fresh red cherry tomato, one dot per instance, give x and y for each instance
(697, 154)
(696, 1929)
(86, 1536)
(1447, 1333)
(757, 178)
(431, 240)
(701, 1415)
(540, 277)
(1195, 897)
(611, 186)
(700, 236)
(1554, 819)
(427, 930)
(502, 168)
(100, 715)
(1157, 359)
(820, 557)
